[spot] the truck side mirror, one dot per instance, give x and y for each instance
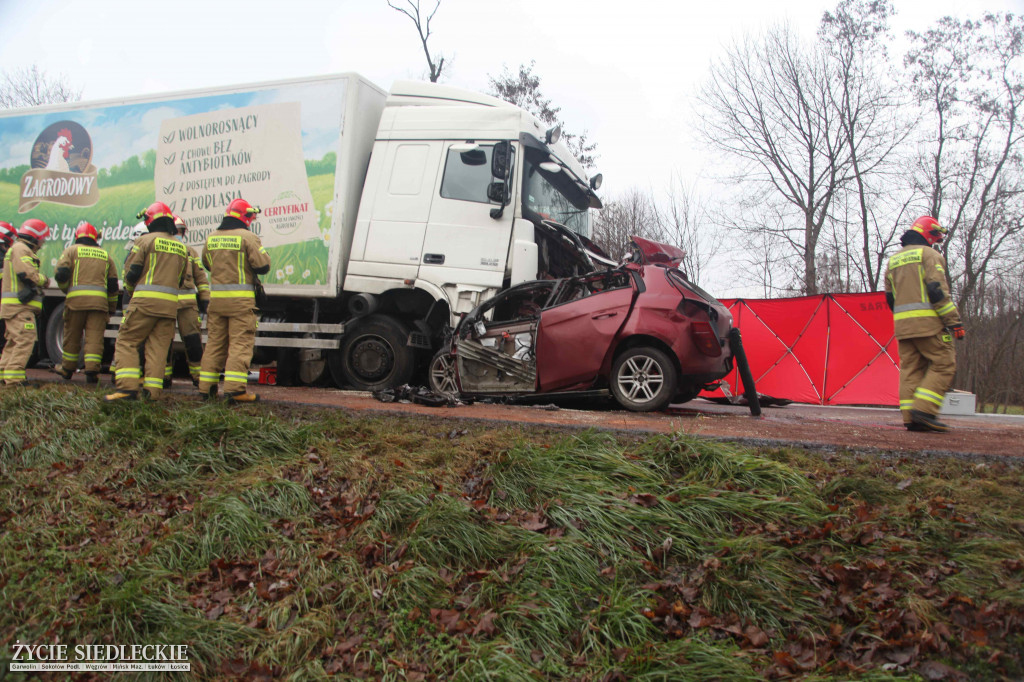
(500, 158)
(498, 192)
(474, 157)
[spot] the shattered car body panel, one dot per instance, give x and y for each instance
(640, 330)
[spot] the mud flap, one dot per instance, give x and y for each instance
(749, 391)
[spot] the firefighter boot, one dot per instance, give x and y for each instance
(121, 396)
(64, 374)
(210, 394)
(928, 422)
(241, 397)
(92, 378)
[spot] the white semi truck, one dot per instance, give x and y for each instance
(386, 215)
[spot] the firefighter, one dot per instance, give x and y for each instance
(88, 275)
(154, 272)
(21, 299)
(7, 237)
(926, 321)
(192, 300)
(234, 256)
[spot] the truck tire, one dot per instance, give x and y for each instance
(643, 379)
(374, 355)
(55, 335)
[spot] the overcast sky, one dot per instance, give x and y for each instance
(625, 70)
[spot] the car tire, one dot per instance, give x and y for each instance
(373, 355)
(643, 379)
(441, 373)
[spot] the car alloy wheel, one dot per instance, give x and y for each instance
(643, 379)
(442, 374)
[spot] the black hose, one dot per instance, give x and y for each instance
(749, 391)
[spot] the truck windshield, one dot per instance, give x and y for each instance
(553, 195)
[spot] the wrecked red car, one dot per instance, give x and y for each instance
(641, 330)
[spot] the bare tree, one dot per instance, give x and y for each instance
(768, 105)
(30, 86)
(684, 221)
(969, 76)
(436, 63)
(634, 213)
(523, 90)
(868, 102)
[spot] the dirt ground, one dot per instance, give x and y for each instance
(811, 426)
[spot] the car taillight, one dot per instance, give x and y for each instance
(705, 338)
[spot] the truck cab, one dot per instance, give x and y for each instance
(465, 195)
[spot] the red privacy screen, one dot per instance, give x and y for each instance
(834, 349)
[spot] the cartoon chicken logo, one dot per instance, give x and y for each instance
(62, 170)
(60, 150)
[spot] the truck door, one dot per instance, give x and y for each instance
(401, 203)
(463, 243)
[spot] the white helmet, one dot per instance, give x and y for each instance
(138, 231)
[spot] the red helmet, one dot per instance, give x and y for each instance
(930, 229)
(243, 210)
(180, 223)
(84, 229)
(34, 229)
(157, 209)
(7, 233)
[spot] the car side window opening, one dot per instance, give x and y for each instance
(467, 175)
(590, 285)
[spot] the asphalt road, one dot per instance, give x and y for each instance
(809, 426)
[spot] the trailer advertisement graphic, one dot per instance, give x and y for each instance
(62, 172)
(276, 146)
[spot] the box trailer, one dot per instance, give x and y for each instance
(387, 215)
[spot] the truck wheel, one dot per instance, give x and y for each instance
(374, 355)
(55, 335)
(643, 379)
(441, 373)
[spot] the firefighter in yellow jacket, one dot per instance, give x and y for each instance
(88, 275)
(7, 237)
(154, 272)
(234, 256)
(21, 300)
(926, 320)
(193, 298)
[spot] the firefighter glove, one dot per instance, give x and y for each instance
(26, 294)
(203, 305)
(958, 331)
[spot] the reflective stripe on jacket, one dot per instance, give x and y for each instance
(92, 269)
(20, 260)
(163, 259)
(231, 257)
(907, 277)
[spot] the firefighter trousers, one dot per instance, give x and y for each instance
(21, 339)
(190, 331)
(229, 344)
(927, 366)
(136, 329)
(91, 324)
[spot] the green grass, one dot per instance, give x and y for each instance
(307, 543)
(1001, 409)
